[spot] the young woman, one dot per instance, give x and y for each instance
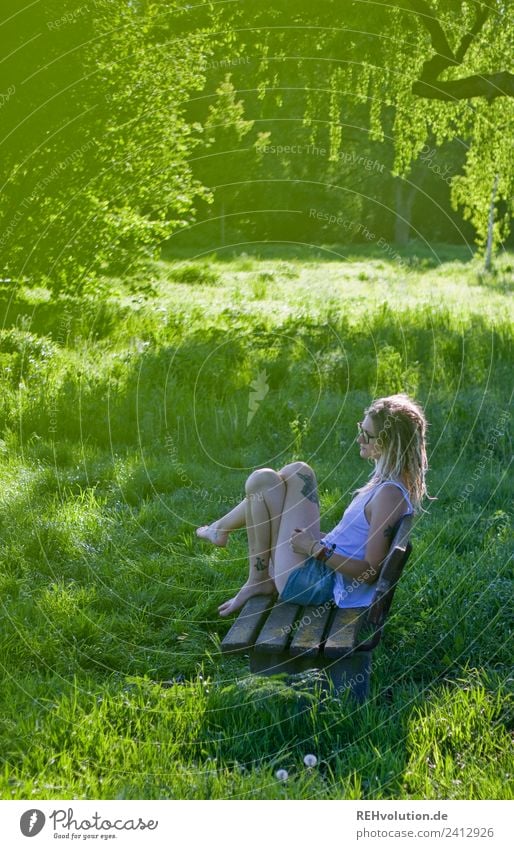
(288, 553)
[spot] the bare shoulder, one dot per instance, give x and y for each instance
(389, 500)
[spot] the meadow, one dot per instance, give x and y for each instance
(133, 413)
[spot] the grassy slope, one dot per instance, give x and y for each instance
(125, 425)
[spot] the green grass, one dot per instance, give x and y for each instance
(125, 424)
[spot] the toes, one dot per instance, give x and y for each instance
(207, 533)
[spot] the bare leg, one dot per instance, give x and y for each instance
(300, 510)
(217, 532)
(265, 493)
(291, 501)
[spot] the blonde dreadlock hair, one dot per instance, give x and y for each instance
(401, 426)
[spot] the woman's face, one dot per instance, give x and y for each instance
(368, 449)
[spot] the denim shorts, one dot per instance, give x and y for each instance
(312, 583)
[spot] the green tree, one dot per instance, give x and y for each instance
(95, 145)
(225, 129)
(426, 73)
(461, 91)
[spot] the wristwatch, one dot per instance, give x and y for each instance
(325, 553)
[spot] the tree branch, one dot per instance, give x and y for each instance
(444, 56)
(490, 86)
(468, 37)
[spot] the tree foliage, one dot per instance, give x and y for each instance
(118, 117)
(423, 74)
(95, 144)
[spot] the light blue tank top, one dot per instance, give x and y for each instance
(350, 537)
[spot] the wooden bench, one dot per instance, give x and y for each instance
(287, 638)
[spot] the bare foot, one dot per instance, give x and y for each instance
(211, 533)
(266, 587)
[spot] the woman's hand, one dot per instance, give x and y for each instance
(302, 542)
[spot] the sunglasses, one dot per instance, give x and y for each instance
(367, 436)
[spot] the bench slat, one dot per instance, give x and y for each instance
(343, 630)
(309, 631)
(245, 629)
(278, 628)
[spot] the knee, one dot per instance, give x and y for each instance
(262, 479)
(295, 468)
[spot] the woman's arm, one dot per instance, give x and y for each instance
(352, 568)
(387, 507)
(302, 542)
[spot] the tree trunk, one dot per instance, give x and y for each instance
(222, 223)
(489, 249)
(405, 195)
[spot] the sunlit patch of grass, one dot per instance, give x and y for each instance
(209, 738)
(132, 430)
(454, 737)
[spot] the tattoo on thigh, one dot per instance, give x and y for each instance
(309, 488)
(260, 565)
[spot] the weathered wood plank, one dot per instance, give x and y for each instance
(309, 631)
(245, 629)
(278, 628)
(343, 631)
